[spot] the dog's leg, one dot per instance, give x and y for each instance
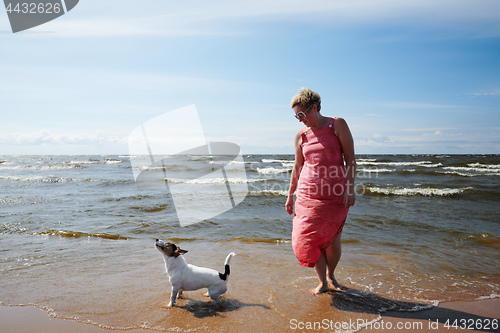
(180, 293)
(173, 295)
(216, 298)
(215, 294)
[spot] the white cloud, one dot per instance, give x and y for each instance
(46, 137)
(489, 92)
(133, 18)
(430, 142)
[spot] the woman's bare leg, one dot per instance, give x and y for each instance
(320, 268)
(332, 255)
(325, 267)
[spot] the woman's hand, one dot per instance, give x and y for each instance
(289, 204)
(349, 199)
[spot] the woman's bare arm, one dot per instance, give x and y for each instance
(347, 143)
(297, 167)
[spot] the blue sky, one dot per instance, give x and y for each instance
(408, 76)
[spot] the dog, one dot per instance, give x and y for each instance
(186, 277)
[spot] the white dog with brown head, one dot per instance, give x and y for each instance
(186, 277)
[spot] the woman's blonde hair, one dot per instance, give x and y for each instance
(305, 98)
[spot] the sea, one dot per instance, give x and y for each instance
(77, 240)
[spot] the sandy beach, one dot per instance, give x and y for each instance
(474, 314)
(268, 292)
(26, 319)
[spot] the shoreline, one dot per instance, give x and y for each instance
(471, 315)
(27, 318)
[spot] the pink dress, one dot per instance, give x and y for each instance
(319, 210)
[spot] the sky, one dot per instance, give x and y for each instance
(409, 77)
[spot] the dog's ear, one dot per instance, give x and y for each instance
(178, 252)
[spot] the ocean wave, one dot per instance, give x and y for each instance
(269, 192)
(418, 163)
(486, 239)
(38, 179)
(77, 234)
(228, 162)
(491, 296)
(99, 161)
(46, 167)
(487, 166)
(456, 173)
(188, 167)
(437, 165)
(364, 170)
(480, 170)
(12, 228)
(15, 200)
(237, 239)
(213, 180)
(271, 170)
(110, 161)
(260, 240)
(266, 160)
(83, 162)
(132, 197)
(149, 168)
(49, 179)
(417, 191)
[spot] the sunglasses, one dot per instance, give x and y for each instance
(302, 114)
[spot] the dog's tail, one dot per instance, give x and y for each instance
(227, 271)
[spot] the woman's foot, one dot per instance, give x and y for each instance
(334, 284)
(321, 288)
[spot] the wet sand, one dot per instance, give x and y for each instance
(27, 319)
(473, 316)
(267, 292)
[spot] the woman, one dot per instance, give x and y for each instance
(323, 175)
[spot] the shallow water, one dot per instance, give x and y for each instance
(77, 239)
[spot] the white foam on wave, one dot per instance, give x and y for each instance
(483, 170)
(365, 170)
(49, 167)
(113, 161)
(39, 179)
(147, 168)
(456, 173)
(418, 191)
(437, 165)
(212, 180)
(84, 162)
(48, 179)
(418, 163)
(91, 161)
(233, 162)
(270, 192)
(266, 160)
(3, 167)
(272, 171)
(492, 296)
(13, 200)
(487, 166)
